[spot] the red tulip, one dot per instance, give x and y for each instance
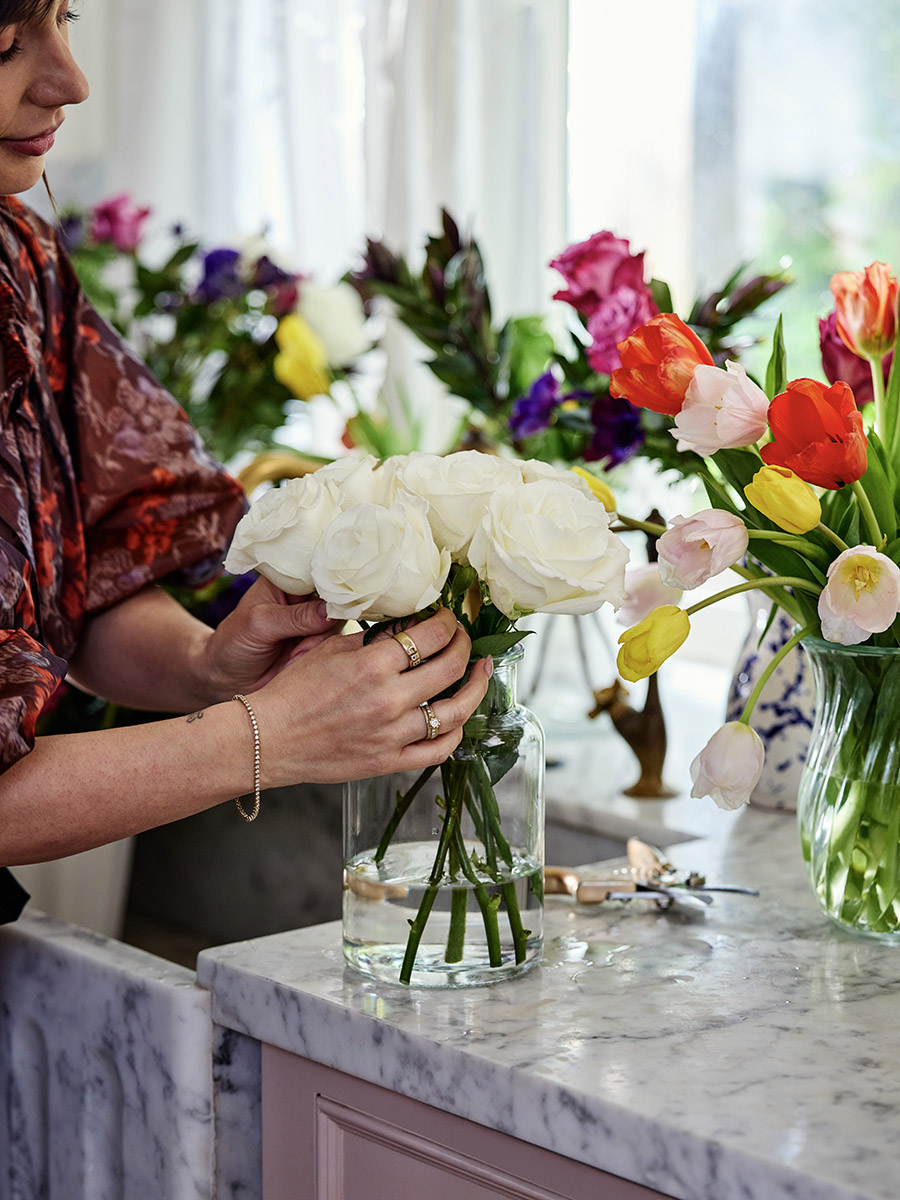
(866, 306)
(818, 434)
(658, 364)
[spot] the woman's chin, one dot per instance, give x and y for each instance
(19, 173)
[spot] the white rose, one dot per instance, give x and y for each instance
(376, 562)
(533, 470)
(337, 317)
(360, 480)
(545, 547)
(279, 533)
(457, 488)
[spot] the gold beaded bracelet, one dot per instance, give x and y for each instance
(251, 816)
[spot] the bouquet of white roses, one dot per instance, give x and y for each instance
(388, 542)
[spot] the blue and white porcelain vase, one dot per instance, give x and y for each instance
(783, 716)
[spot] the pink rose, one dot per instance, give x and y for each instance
(118, 220)
(594, 269)
(840, 363)
(623, 311)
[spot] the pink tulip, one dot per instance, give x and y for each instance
(644, 591)
(861, 597)
(838, 362)
(596, 268)
(729, 765)
(694, 549)
(722, 410)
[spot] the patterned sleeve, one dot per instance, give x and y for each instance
(29, 672)
(155, 503)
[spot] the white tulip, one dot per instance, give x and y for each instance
(721, 410)
(729, 766)
(375, 562)
(278, 535)
(645, 591)
(694, 549)
(861, 597)
(547, 547)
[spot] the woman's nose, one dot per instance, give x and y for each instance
(59, 80)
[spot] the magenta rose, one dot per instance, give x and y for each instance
(594, 269)
(118, 220)
(623, 311)
(839, 362)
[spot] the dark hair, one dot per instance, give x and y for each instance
(14, 11)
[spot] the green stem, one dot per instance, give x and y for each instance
(417, 925)
(869, 514)
(623, 524)
(485, 903)
(771, 667)
(404, 800)
(518, 930)
(832, 537)
(456, 937)
(768, 581)
(790, 541)
(491, 809)
(878, 392)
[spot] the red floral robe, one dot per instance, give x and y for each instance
(104, 484)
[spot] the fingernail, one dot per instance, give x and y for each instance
(488, 666)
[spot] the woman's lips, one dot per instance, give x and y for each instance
(32, 146)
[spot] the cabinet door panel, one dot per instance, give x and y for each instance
(330, 1136)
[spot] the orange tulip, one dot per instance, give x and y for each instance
(658, 364)
(866, 308)
(818, 434)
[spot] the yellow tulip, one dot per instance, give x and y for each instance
(784, 498)
(601, 490)
(647, 645)
(301, 363)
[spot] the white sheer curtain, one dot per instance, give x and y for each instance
(319, 121)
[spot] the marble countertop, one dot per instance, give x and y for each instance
(750, 1050)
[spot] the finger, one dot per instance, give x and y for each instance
(451, 712)
(441, 671)
(429, 637)
(305, 618)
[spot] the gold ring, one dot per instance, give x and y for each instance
(412, 650)
(432, 721)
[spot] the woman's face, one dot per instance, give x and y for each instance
(38, 75)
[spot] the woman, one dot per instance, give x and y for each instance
(104, 490)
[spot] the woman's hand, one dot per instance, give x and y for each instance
(346, 710)
(260, 636)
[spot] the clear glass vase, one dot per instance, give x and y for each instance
(849, 802)
(443, 869)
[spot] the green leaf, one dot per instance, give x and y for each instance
(776, 371)
(878, 484)
(527, 349)
(662, 295)
(498, 643)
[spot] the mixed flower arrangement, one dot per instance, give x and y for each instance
(525, 392)
(233, 335)
(804, 490)
(493, 539)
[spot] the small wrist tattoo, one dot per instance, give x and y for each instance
(197, 716)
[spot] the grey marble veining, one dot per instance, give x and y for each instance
(748, 1052)
(105, 1069)
(237, 1082)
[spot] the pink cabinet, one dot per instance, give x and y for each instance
(329, 1136)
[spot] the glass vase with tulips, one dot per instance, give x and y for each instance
(805, 496)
